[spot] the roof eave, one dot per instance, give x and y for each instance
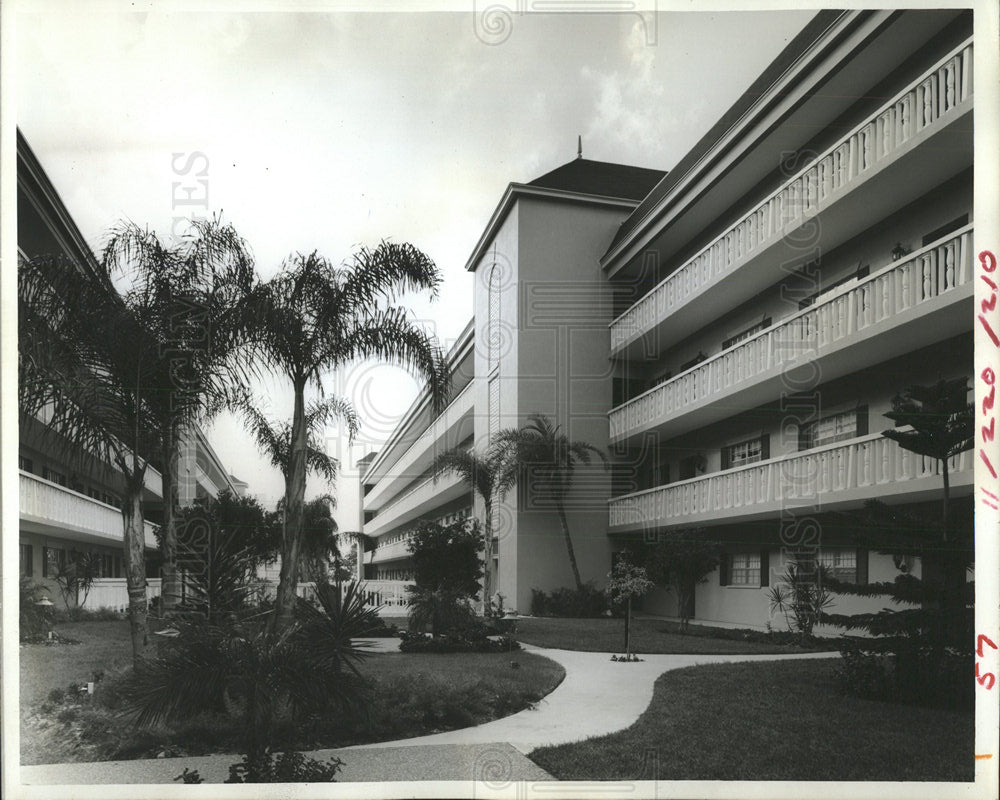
(515, 191)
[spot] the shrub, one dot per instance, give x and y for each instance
(289, 767)
(585, 602)
(456, 642)
(82, 614)
(909, 672)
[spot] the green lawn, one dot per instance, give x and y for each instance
(414, 694)
(771, 721)
(103, 646)
(648, 636)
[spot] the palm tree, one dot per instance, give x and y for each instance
(274, 439)
(195, 287)
(548, 458)
(89, 369)
(491, 477)
(312, 318)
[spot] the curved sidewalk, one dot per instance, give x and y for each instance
(598, 696)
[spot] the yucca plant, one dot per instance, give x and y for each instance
(254, 672)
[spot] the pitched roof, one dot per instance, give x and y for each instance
(601, 178)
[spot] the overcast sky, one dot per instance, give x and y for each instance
(328, 130)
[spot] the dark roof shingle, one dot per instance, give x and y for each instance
(601, 178)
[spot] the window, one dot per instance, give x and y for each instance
(694, 361)
(666, 376)
(26, 559)
(25, 464)
(844, 563)
(944, 230)
(493, 330)
(862, 272)
(494, 406)
(748, 452)
(52, 559)
(744, 335)
(691, 467)
(834, 428)
(744, 568)
(52, 475)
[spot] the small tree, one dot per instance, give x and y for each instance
(680, 560)
(447, 569)
(491, 477)
(76, 575)
(937, 421)
(625, 583)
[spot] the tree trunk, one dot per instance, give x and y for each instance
(170, 588)
(569, 543)
(291, 533)
(628, 626)
(488, 554)
(135, 571)
(944, 500)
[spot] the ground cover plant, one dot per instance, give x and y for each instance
(657, 636)
(731, 722)
(413, 694)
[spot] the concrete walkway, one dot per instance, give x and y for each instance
(598, 696)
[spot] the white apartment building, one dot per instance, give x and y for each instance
(732, 332)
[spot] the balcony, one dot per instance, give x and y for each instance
(905, 305)
(421, 499)
(387, 552)
(837, 476)
(913, 143)
(445, 432)
(51, 509)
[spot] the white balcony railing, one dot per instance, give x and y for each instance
(867, 467)
(927, 274)
(57, 507)
(423, 497)
(924, 103)
(389, 551)
(419, 455)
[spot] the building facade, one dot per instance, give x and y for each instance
(731, 333)
(397, 486)
(68, 505)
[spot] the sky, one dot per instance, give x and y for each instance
(329, 130)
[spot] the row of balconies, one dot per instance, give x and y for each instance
(836, 476)
(422, 498)
(881, 164)
(901, 307)
(444, 432)
(47, 507)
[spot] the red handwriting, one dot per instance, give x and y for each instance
(988, 262)
(986, 679)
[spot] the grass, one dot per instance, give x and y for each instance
(103, 646)
(648, 636)
(771, 721)
(414, 694)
